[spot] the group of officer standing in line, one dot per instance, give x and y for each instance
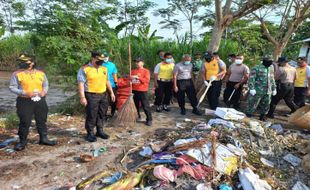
(268, 83)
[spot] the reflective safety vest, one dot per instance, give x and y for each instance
(301, 77)
(211, 69)
(96, 78)
(166, 71)
(31, 81)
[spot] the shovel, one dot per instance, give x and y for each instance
(204, 94)
(228, 102)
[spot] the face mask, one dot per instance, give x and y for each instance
(23, 65)
(238, 61)
(169, 60)
(229, 60)
(208, 59)
(99, 62)
(105, 59)
(267, 63)
(187, 62)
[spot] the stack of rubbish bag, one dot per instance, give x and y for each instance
(226, 153)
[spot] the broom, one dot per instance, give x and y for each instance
(128, 114)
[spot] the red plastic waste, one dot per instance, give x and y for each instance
(123, 91)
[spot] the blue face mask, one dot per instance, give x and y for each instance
(169, 60)
(187, 62)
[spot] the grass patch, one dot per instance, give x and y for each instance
(9, 121)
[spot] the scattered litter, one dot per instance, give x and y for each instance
(86, 158)
(201, 127)
(203, 186)
(187, 120)
(278, 128)
(295, 161)
(184, 141)
(267, 162)
(300, 186)
(266, 152)
(164, 174)
(226, 161)
(146, 152)
(7, 142)
(250, 181)
(209, 112)
(236, 150)
(225, 187)
(112, 179)
(127, 183)
(99, 151)
(229, 114)
(222, 122)
(9, 150)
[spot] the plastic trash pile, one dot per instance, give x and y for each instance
(225, 153)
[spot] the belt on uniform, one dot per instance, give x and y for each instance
(287, 83)
(165, 80)
(103, 93)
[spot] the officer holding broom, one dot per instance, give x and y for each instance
(31, 86)
(93, 82)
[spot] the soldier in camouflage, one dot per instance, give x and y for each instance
(262, 86)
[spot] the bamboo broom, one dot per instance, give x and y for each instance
(128, 114)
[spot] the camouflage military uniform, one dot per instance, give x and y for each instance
(262, 80)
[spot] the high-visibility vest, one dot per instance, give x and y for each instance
(301, 76)
(166, 71)
(96, 78)
(30, 81)
(211, 69)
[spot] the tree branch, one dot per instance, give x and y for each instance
(218, 11)
(227, 7)
(266, 31)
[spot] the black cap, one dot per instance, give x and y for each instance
(139, 59)
(301, 59)
(97, 54)
(282, 60)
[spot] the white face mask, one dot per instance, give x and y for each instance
(106, 59)
(238, 61)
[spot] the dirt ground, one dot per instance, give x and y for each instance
(43, 167)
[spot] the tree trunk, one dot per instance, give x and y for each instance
(277, 51)
(217, 32)
(191, 34)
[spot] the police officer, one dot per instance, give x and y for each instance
(262, 86)
(183, 83)
(237, 75)
(163, 74)
(213, 67)
(286, 76)
(31, 86)
(302, 82)
(112, 72)
(93, 82)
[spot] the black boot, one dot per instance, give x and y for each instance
(91, 137)
(21, 145)
(183, 111)
(196, 111)
(166, 108)
(262, 117)
(101, 134)
(44, 141)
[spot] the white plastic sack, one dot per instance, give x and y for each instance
(226, 161)
(300, 186)
(229, 114)
(218, 121)
(250, 181)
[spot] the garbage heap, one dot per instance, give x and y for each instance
(228, 152)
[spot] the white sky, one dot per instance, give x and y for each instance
(168, 33)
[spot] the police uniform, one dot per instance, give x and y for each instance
(301, 85)
(262, 81)
(210, 69)
(285, 88)
(184, 82)
(95, 85)
(23, 82)
(164, 91)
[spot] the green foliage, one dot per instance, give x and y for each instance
(11, 121)
(71, 106)
(10, 48)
